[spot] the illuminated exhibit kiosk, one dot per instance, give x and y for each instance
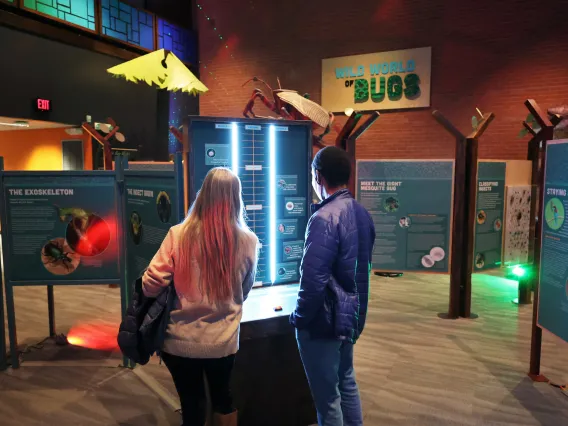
(273, 160)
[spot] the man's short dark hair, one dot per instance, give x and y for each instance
(334, 165)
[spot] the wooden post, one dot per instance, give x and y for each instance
(465, 190)
(472, 149)
(537, 153)
(351, 148)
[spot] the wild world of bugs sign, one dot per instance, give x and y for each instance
(378, 81)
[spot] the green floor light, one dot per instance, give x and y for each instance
(518, 271)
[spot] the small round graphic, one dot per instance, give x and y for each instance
(287, 249)
(88, 236)
(437, 254)
(404, 222)
(427, 261)
(289, 206)
(135, 227)
(391, 204)
(479, 260)
(281, 271)
(58, 258)
(211, 153)
(481, 217)
(164, 206)
(554, 214)
(281, 183)
(281, 228)
(497, 225)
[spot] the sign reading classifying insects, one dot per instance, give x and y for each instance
(378, 81)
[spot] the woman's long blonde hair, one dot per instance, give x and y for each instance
(212, 234)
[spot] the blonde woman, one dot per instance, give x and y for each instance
(211, 258)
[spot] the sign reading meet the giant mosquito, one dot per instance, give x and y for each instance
(378, 81)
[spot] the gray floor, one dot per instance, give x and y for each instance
(413, 368)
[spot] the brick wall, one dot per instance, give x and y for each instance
(486, 53)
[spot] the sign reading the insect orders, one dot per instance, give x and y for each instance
(410, 203)
(151, 210)
(377, 81)
(553, 294)
(60, 228)
(490, 206)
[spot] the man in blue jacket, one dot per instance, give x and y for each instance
(334, 290)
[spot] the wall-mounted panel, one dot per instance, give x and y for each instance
(126, 23)
(77, 12)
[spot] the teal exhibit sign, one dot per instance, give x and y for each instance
(60, 228)
(490, 204)
(272, 158)
(151, 210)
(553, 282)
(411, 204)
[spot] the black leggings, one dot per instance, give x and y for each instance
(188, 379)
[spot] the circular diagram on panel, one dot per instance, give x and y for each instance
(135, 228)
(88, 236)
(437, 254)
(427, 261)
(211, 153)
(287, 249)
(281, 271)
(554, 214)
(58, 258)
(481, 217)
(479, 260)
(164, 206)
(281, 228)
(391, 204)
(289, 206)
(497, 225)
(404, 222)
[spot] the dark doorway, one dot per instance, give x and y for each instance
(72, 155)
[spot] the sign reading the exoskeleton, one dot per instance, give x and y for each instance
(378, 81)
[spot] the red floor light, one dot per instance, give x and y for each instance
(96, 336)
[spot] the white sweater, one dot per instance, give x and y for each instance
(198, 328)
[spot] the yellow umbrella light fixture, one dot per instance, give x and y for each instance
(162, 69)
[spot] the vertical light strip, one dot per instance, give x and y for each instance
(235, 149)
(272, 207)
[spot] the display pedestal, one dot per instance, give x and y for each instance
(269, 382)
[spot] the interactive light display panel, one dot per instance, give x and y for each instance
(273, 160)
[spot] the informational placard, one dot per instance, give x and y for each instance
(553, 282)
(377, 81)
(490, 206)
(151, 210)
(60, 228)
(411, 204)
(517, 225)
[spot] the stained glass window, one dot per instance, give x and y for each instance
(127, 23)
(77, 12)
(179, 40)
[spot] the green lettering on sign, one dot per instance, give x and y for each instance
(412, 83)
(394, 87)
(361, 91)
(380, 96)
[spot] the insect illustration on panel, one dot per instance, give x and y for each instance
(58, 258)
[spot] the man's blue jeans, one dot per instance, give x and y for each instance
(329, 368)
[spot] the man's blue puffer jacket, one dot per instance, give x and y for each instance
(335, 270)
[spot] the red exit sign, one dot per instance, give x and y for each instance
(43, 105)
